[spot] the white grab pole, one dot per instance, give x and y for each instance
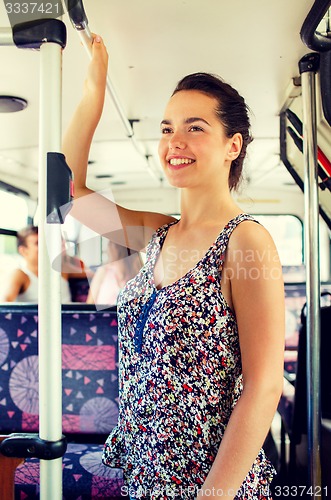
(6, 37)
(49, 308)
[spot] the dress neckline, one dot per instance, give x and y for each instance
(161, 241)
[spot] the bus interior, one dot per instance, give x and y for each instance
(269, 52)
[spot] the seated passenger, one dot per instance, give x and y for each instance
(110, 278)
(72, 266)
(23, 285)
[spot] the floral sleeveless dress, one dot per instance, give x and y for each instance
(180, 377)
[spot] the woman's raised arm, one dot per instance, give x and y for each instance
(127, 227)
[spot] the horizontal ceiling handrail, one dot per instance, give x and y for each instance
(6, 37)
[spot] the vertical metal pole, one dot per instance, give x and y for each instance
(308, 67)
(6, 37)
(50, 375)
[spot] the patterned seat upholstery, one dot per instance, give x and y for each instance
(90, 395)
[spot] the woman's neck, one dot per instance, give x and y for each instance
(204, 207)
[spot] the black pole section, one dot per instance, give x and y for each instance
(325, 74)
(309, 35)
(77, 14)
(320, 43)
(21, 445)
(309, 63)
(59, 188)
(32, 34)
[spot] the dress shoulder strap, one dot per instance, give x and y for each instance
(223, 238)
(233, 223)
(157, 239)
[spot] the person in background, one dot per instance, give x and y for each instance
(23, 284)
(72, 265)
(110, 278)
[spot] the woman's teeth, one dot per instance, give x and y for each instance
(180, 161)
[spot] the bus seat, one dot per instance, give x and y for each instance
(7, 474)
(293, 404)
(325, 451)
(295, 297)
(79, 288)
(90, 394)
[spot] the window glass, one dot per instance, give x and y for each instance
(287, 233)
(9, 260)
(324, 251)
(13, 211)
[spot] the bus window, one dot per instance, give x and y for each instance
(13, 211)
(287, 233)
(324, 251)
(9, 259)
(13, 216)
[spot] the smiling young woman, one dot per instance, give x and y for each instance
(201, 326)
(194, 141)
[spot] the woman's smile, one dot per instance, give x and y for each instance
(179, 162)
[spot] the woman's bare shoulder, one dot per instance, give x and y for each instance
(250, 234)
(251, 245)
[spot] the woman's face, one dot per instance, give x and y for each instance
(194, 150)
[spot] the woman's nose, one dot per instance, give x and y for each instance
(177, 140)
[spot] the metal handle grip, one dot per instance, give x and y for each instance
(77, 14)
(309, 36)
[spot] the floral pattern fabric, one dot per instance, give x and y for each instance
(180, 378)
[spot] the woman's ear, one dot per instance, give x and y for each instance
(236, 142)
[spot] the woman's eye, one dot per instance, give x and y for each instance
(195, 128)
(166, 130)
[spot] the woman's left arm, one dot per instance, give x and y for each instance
(257, 293)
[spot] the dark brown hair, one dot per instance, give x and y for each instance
(231, 110)
(24, 233)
